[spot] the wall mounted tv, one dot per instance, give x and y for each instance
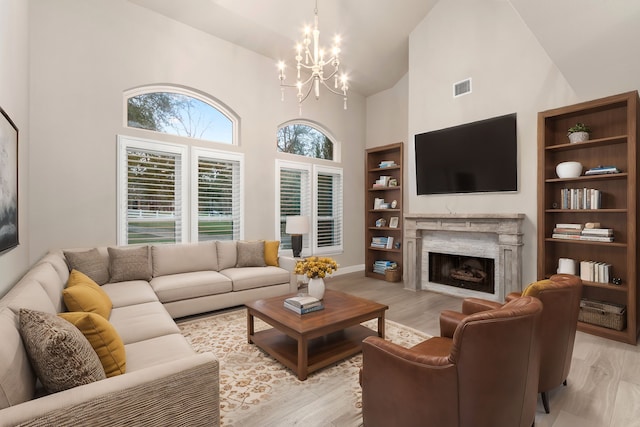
(475, 157)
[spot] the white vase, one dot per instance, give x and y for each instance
(316, 287)
(569, 169)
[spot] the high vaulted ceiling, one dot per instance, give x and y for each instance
(588, 40)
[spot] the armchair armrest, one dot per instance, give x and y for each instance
(476, 305)
(449, 321)
(512, 296)
(392, 376)
(182, 392)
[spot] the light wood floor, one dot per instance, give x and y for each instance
(604, 383)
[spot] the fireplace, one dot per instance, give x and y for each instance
(475, 273)
(486, 249)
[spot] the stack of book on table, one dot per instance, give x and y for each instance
(303, 304)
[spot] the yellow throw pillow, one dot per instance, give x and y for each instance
(271, 252)
(83, 294)
(534, 289)
(103, 338)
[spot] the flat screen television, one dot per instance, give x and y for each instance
(470, 158)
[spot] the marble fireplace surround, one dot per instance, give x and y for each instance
(496, 236)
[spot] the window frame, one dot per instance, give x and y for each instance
(212, 154)
(310, 241)
(213, 102)
(182, 183)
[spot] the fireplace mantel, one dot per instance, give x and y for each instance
(504, 230)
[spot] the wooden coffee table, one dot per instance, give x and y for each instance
(308, 342)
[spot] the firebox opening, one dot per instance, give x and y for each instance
(461, 271)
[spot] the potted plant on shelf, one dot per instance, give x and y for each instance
(578, 133)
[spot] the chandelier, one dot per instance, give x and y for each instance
(311, 57)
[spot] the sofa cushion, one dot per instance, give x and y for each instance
(142, 321)
(256, 277)
(227, 254)
(103, 338)
(17, 380)
(154, 351)
(129, 264)
(129, 293)
(50, 281)
(183, 258)
(250, 254)
(28, 293)
(182, 286)
(271, 252)
(83, 294)
(60, 355)
(58, 262)
(91, 263)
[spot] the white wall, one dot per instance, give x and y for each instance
(488, 42)
(387, 115)
(85, 54)
(14, 99)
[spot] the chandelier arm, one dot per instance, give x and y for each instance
(300, 101)
(341, 93)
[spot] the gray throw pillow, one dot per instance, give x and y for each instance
(251, 254)
(91, 263)
(129, 264)
(60, 355)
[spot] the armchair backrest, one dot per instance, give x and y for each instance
(497, 359)
(560, 296)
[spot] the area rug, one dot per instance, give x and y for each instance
(255, 389)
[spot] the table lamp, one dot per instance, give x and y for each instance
(296, 227)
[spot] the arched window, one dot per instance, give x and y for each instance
(306, 140)
(181, 112)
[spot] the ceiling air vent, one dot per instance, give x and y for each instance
(462, 88)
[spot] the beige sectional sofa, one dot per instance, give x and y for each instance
(166, 382)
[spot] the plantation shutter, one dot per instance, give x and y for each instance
(328, 215)
(154, 196)
(294, 200)
(219, 199)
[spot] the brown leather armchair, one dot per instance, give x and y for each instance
(484, 374)
(560, 296)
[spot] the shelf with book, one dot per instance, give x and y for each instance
(384, 176)
(612, 145)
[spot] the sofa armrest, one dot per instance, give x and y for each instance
(182, 392)
(512, 296)
(289, 264)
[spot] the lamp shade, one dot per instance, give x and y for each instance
(297, 225)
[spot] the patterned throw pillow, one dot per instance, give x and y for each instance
(90, 263)
(129, 264)
(61, 356)
(83, 294)
(104, 339)
(250, 254)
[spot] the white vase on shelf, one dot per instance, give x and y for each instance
(316, 287)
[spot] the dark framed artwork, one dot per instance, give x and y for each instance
(8, 183)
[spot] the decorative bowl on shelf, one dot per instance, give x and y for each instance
(569, 169)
